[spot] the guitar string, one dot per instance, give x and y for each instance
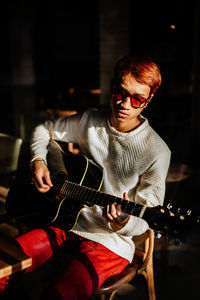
(88, 194)
(75, 190)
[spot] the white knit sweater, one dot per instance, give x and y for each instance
(135, 162)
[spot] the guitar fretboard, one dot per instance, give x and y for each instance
(92, 196)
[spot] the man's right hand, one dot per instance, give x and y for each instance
(41, 175)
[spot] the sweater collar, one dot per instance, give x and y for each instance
(142, 126)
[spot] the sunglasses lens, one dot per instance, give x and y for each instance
(137, 101)
(118, 96)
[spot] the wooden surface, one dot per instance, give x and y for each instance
(12, 258)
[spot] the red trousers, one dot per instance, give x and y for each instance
(83, 265)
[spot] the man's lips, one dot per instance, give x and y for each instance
(122, 114)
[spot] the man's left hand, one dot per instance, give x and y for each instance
(114, 214)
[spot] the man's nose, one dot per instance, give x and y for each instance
(126, 103)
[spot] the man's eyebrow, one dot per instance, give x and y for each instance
(141, 95)
(123, 89)
(136, 94)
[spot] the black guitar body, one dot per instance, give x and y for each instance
(25, 203)
(63, 211)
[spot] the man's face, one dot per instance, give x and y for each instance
(122, 111)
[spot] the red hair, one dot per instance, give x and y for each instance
(144, 70)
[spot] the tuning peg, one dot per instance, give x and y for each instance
(171, 214)
(189, 212)
(162, 210)
(169, 206)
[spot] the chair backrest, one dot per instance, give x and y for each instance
(9, 153)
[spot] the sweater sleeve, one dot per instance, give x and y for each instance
(150, 192)
(151, 189)
(135, 226)
(40, 139)
(63, 129)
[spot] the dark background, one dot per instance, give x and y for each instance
(49, 47)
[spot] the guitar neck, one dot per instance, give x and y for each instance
(91, 196)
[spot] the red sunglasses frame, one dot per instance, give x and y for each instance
(133, 98)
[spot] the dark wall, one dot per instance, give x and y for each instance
(6, 124)
(168, 30)
(46, 48)
(66, 47)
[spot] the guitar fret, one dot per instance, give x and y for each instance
(89, 195)
(130, 207)
(124, 204)
(70, 187)
(94, 196)
(116, 199)
(136, 209)
(75, 192)
(67, 189)
(98, 198)
(104, 201)
(132, 210)
(84, 194)
(63, 189)
(78, 191)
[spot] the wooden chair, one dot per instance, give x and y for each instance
(9, 155)
(12, 257)
(142, 265)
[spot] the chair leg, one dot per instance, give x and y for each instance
(112, 295)
(149, 276)
(108, 296)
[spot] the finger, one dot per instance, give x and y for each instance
(125, 196)
(113, 210)
(44, 189)
(118, 210)
(48, 179)
(39, 180)
(108, 215)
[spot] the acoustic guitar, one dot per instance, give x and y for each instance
(79, 183)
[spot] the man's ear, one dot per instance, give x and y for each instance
(151, 97)
(149, 100)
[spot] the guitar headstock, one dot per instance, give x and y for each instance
(172, 221)
(184, 216)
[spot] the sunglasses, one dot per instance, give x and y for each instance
(136, 100)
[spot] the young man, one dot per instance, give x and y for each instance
(135, 162)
